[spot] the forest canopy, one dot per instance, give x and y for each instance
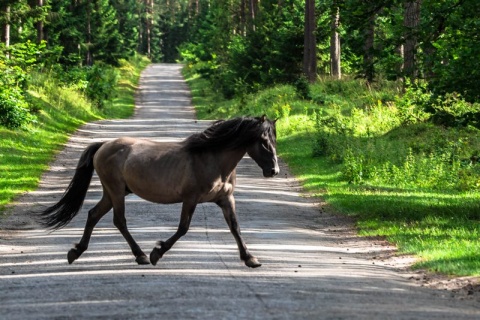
(244, 45)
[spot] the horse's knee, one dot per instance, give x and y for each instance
(182, 231)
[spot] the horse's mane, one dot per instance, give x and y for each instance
(230, 134)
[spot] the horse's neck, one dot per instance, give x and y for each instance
(229, 159)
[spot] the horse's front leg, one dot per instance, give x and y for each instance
(228, 207)
(188, 208)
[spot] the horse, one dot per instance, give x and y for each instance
(201, 168)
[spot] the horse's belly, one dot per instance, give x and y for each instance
(156, 177)
(156, 192)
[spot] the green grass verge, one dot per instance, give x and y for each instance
(25, 154)
(441, 227)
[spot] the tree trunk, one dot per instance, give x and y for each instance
(6, 27)
(243, 18)
(335, 62)
(39, 25)
(310, 44)
(368, 49)
(89, 56)
(253, 6)
(411, 22)
(149, 19)
(400, 52)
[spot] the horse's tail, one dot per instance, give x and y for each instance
(61, 213)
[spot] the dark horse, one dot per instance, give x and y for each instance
(199, 169)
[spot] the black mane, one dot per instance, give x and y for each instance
(230, 134)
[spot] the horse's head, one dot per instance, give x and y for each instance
(263, 151)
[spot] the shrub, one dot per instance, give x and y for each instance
(302, 88)
(102, 80)
(14, 111)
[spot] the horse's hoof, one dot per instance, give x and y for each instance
(142, 259)
(155, 256)
(72, 255)
(252, 263)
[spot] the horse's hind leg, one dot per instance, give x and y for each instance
(121, 223)
(94, 215)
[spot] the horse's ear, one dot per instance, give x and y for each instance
(263, 118)
(275, 121)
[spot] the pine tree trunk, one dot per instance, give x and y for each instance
(411, 22)
(335, 62)
(253, 6)
(89, 56)
(39, 25)
(243, 18)
(399, 50)
(368, 49)
(149, 18)
(6, 27)
(310, 44)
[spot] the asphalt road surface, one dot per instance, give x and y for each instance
(314, 267)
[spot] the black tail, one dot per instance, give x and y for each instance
(60, 214)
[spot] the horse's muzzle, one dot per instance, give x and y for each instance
(271, 172)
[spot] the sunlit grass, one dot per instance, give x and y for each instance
(25, 154)
(442, 229)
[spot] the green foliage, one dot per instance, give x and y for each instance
(20, 61)
(246, 62)
(302, 86)
(62, 108)
(16, 65)
(14, 109)
(454, 51)
(451, 110)
(93, 31)
(414, 103)
(419, 104)
(373, 149)
(101, 82)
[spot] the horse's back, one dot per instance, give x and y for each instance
(152, 170)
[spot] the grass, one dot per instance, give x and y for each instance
(441, 226)
(25, 154)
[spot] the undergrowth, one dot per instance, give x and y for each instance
(58, 108)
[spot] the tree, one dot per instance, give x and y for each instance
(39, 23)
(6, 25)
(310, 44)
(368, 48)
(411, 23)
(88, 31)
(335, 64)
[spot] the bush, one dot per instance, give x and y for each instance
(303, 88)
(102, 80)
(14, 111)
(451, 110)
(414, 103)
(419, 104)
(394, 145)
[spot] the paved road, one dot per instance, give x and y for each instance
(313, 267)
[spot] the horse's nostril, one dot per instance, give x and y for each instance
(274, 172)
